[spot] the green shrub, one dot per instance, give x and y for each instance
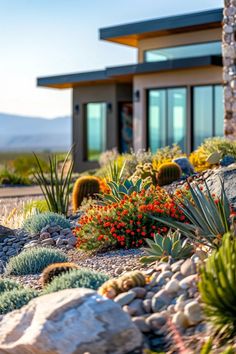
(36, 222)
(34, 260)
(57, 192)
(8, 177)
(15, 299)
(8, 284)
(81, 278)
(25, 165)
(35, 207)
(218, 287)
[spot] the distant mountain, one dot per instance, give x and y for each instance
(19, 133)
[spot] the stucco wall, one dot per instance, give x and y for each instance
(177, 39)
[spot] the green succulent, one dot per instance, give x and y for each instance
(170, 246)
(8, 284)
(34, 260)
(34, 223)
(78, 278)
(208, 220)
(120, 190)
(217, 287)
(15, 299)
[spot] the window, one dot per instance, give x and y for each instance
(167, 117)
(207, 113)
(95, 130)
(185, 51)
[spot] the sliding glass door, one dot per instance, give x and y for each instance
(167, 117)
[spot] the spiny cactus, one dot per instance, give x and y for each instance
(15, 299)
(84, 187)
(167, 247)
(129, 280)
(56, 269)
(34, 260)
(168, 173)
(77, 278)
(218, 288)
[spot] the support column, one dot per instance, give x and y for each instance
(229, 68)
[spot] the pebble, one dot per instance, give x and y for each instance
(125, 298)
(142, 325)
(160, 300)
(188, 267)
(172, 286)
(156, 321)
(180, 320)
(193, 312)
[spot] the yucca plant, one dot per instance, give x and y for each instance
(56, 193)
(217, 287)
(168, 247)
(208, 219)
(118, 191)
(115, 172)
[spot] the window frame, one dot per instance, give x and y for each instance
(85, 109)
(176, 46)
(165, 88)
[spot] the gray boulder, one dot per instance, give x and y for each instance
(5, 231)
(68, 322)
(228, 175)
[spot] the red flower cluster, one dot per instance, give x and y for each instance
(126, 223)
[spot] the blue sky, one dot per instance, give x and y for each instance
(47, 37)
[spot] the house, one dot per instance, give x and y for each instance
(174, 94)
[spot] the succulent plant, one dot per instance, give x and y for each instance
(217, 287)
(56, 269)
(168, 173)
(8, 284)
(15, 299)
(164, 248)
(80, 278)
(208, 220)
(36, 222)
(115, 286)
(120, 190)
(84, 187)
(34, 260)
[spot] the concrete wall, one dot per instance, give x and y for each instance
(110, 93)
(186, 78)
(177, 39)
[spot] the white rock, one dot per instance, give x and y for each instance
(193, 312)
(180, 320)
(67, 322)
(172, 286)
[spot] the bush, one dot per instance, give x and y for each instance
(36, 222)
(8, 284)
(218, 288)
(15, 299)
(166, 154)
(35, 207)
(217, 144)
(11, 178)
(126, 223)
(80, 278)
(33, 261)
(25, 165)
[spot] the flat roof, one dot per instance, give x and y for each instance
(131, 33)
(125, 73)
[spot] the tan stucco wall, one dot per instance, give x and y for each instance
(178, 39)
(187, 78)
(109, 93)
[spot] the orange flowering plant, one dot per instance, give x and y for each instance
(126, 224)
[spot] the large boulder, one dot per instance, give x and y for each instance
(5, 231)
(72, 321)
(228, 176)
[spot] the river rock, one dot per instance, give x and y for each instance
(69, 321)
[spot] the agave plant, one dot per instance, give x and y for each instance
(56, 193)
(218, 287)
(208, 220)
(120, 190)
(167, 247)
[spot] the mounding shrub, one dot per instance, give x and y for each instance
(218, 288)
(34, 260)
(9, 284)
(81, 278)
(36, 222)
(15, 299)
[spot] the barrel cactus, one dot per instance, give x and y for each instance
(168, 173)
(56, 269)
(84, 187)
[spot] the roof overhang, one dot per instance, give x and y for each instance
(125, 73)
(131, 33)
